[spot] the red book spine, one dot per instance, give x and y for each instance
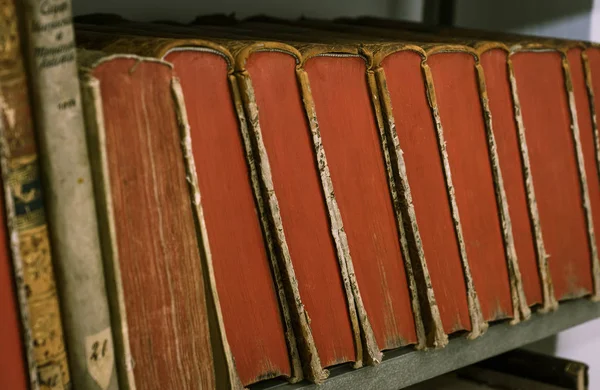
(296, 206)
(514, 164)
(543, 97)
(350, 137)
(407, 105)
(247, 295)
(13, 373)
(590, 140)
(461, 116)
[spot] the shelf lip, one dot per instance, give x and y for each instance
(404, 368)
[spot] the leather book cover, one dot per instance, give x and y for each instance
(26, 219)
(299, 233)
(543, 85)
(387, 245)
(136, 125)
(579, 85)
(265, 346)
(515, 306)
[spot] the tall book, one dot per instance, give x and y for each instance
(70, 198)
(136, 124)
(584, 62)
(548, 116)
(515, 193)
(575, 110)
(308, 238)
(26, 219)
(337, 76)
(13, 353)
(480, 244)
(232, 210)
(366, 226)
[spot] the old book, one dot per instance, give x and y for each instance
(69, 196)
(13, 354)
(337, 94)
(265, 345)
(579, 147)
(543, 85)
(298, 206)
(372, 230)
(584, 63)
(26, 220)
(486, 185)
(136, 124)
(521, 218)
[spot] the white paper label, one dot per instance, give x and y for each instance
(100, 357)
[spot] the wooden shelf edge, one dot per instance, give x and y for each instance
(404, 368)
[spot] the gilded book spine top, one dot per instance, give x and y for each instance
(49, 36)
(25, 214)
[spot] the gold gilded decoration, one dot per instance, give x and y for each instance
(30, 224)
(9, 39)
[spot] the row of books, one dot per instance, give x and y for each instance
(234, 201)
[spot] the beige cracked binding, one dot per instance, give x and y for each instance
(478, 324)
(587, 207)
(423, 293)
(358, 315)
(270, 215)
(521, 309)
(549, 300)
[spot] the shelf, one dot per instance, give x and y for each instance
(406, 367)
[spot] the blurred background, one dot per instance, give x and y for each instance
(573, 19)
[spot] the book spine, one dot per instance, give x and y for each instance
(26, 217)
(94, 119)
(363, 333)
(587, 207)
(292, 342)
(403, 204)
(521, 310)
(592, 101)
(257, 156)
(225, 372)
(549, 299)
(49, 36)
(478, 324)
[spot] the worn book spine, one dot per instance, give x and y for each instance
(404, 208)
(26, 217)
(549, 299)
(392, 230)
(583, 181)
(359, 318)
(49, 37)
(548, 120)
(593, 105)
(94, 119)
(478, 324)
(186, 364)
(521, 309)
(225, 371)
(270, 216)
(15, 349)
